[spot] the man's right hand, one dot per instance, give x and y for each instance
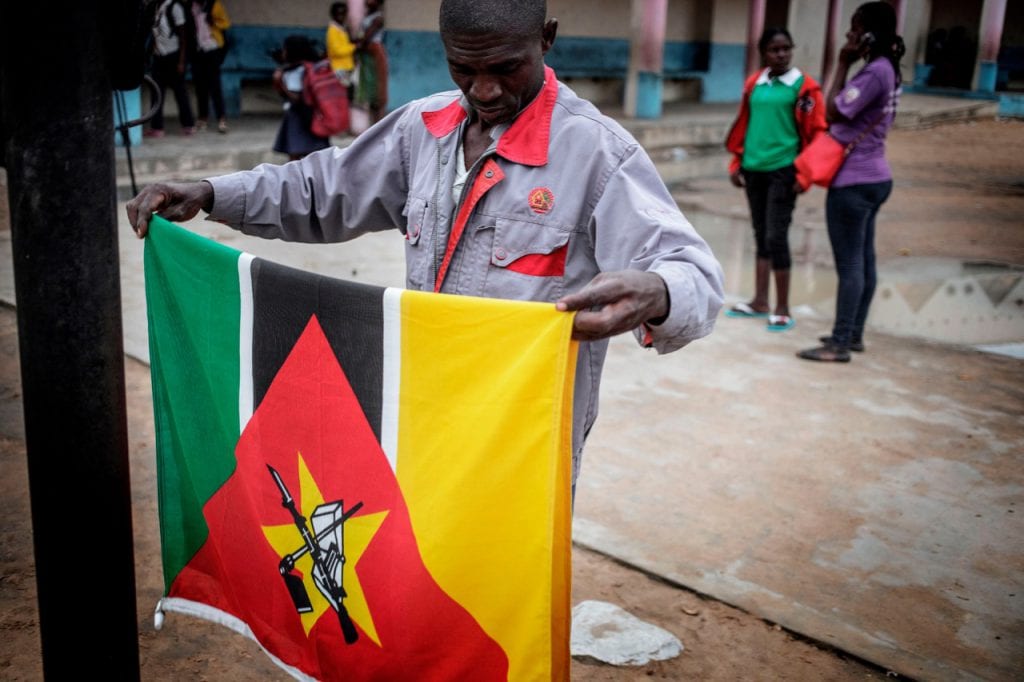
(737, 179)
(177, 201)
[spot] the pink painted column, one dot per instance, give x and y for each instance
(901, 14)
(993, 13)
(755, 26)
(646, 58)
(832, 33)
(356, 12)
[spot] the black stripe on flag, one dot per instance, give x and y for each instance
(351, 315)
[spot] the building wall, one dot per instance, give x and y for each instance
(727, 51)
(591, 51)
(705, 50)
(306, 13)
(581, 18)
(807, 24)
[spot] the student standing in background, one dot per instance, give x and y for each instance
(295, 136)
(863, 108)
(781, 111)
(211, 20)
(170, 50)
(340, 48)
(372, 88)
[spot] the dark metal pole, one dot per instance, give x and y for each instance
(59, 153)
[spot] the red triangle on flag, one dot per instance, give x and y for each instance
(310, 431)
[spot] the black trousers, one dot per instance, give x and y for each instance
(850, 213)
(206, 78)
(165, 73)
(772, 199)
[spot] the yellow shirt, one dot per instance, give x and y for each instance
(339, 48)
(219, 22)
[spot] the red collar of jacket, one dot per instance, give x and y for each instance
(525, 141)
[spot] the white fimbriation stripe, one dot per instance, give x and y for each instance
(214, 615)
(245, 390)
(392, 374)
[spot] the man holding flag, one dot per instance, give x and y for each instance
(514, 188)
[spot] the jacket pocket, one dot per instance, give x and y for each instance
(527, 261)
(418, 255)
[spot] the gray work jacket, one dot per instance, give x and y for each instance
(563, 194)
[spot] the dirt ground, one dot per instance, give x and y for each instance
(959, 193)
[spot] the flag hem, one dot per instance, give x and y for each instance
(199, 610)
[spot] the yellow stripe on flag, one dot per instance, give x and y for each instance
(485, 422)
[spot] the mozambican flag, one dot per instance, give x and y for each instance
(372, 483)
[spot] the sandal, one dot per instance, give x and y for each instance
(855, 346)
(780, 323)
(826, 353)
(744, 310)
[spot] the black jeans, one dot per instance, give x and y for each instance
(771, 198)
(850, 212)
(206, 79)
(165, 73)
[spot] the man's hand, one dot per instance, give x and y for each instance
(737, 179)
(177, 201)
(616, 302)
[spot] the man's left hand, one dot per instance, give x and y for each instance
(616, 302)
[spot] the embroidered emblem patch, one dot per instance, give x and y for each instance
(541, 200)
(851, 95)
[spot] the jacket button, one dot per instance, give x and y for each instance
(489, 174)
(500, 254)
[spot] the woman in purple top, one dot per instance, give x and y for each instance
(866, 105)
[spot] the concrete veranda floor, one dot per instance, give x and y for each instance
(875, 506)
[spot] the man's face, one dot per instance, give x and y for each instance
(499, 74)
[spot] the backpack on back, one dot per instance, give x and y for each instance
(325, 94)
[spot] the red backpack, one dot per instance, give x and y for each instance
(328, 98)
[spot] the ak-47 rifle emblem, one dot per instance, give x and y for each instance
(325, 544)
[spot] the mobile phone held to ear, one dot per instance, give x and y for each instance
(867, 40)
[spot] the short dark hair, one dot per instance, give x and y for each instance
(299, 48)
(770, 33)
(476, 17)
(337, 6)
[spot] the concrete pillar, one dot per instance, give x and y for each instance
(646, 56)
(356, 12)
(755, 26)
(833, 33)
(901, 14)
(993, 12)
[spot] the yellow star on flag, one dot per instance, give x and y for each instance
(359, 532)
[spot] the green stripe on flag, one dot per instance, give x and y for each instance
(192, 300)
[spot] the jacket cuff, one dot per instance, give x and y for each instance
(691, 314)
(228, 199)
(734, 164)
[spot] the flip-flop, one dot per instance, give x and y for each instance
(744, 310)
(780, 323)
